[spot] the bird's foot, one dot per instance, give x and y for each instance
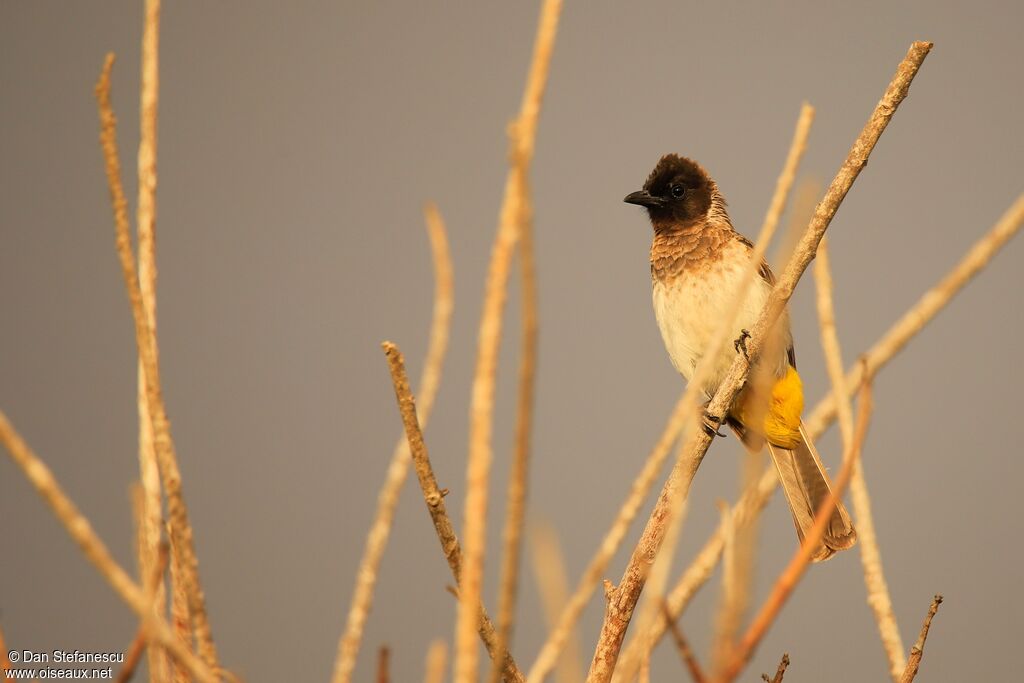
(712, 425)
(741, 343)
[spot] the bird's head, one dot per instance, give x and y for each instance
(678, 192)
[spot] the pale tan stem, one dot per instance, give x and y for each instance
(434, 498)
(682, 414)
(549, 573)
(874, 578)
(876, 358)
(515, 505)
(133, 655)
(794, 571)
(437, 661)
(481, 413)
(181, 530)
(620, 605)
(149, 472)
(398, 469)
(82, 533)
(916, 652)
(180, 619)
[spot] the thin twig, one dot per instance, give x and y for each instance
(515, 495)
(780, 672)
(383, 667)
(181, 530)
(398, 469)
(522, 134)
(685, 652)
(82, 533)
(916, 652)
(801, 559)
(134, 653)
(437, 661)
(874, 578)
(549, 573)
(619, 608)
(180, 619)
(434, 498)
(877, 357)
(149, 472)
(682, 414)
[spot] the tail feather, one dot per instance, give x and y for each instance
(806, 487)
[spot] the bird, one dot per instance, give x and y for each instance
(697, 262)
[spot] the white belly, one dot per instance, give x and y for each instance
(691, 309)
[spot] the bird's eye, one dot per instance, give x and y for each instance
(677, 191)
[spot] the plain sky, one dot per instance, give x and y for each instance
(298, 142)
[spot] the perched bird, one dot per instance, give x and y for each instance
(697, 263)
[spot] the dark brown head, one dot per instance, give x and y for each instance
(678, 192)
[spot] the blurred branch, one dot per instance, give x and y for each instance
(437, 661)
(549, 573)
(398, 469)
(874, 578)
(151, 518)
(687, 655)
(797, 566)
(434, 498)
(620, 605)
(383, 667)
(134, 652)
(82, 533)
(181, 530)
(513, 214)
(916, 652)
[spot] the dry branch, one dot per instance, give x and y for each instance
(779, 673)
(82, 533)
(181, 530)
(434, 498)
(797, 566)
(549, 573)
(523, 134)
(515, 495)
(682, 413)
(398, 469)
(685, 652)
(621, 603)
(874, 578)
(149, 472)
(916, 652)
(877, 357)
(383, 665)
(134, 652)
(437, 661)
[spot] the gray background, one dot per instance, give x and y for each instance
(297, 144)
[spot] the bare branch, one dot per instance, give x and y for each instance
(874, 578)
(181, 530)
(779, 673)
(522, 133)
(689, 659)
(916, 652)
(82, 533)
(437, 661)
(434, 497)
(398, 469)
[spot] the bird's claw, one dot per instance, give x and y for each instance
(711, 424)
(741, 343)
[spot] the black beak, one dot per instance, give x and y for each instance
(643, 198)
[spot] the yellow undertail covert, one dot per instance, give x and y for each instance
(781, 424)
